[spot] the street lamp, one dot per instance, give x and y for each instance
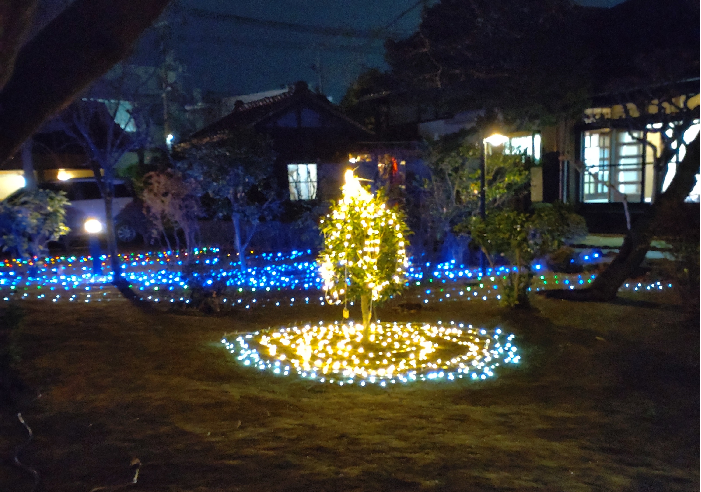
(494, 140)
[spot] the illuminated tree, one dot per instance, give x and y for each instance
(364, 252)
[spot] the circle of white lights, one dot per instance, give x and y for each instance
(388, 353)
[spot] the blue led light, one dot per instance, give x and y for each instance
(279, 273)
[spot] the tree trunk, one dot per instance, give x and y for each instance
(106, 185)
(236, 220)
(15, 23)
(111, 238)
(30, 182)
(367, 312)
(637, 241)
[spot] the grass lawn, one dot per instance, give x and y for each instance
(606, 398)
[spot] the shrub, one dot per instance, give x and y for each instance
(521, 237)
(29, 220)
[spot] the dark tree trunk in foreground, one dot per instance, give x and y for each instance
(15, 22)
(637, 241)
(62, 60)
(73, 50)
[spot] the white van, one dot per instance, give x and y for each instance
(86, 203)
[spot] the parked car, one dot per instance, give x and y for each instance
(86, 203)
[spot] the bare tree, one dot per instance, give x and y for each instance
(105, 143)
(170, 198)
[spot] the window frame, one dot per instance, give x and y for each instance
(303, 189)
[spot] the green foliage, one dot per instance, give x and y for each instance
(527, 57)
(365, 246)
(453, 163)
(521, 237)
(235, 170)
(29, 220)
(452, 192)
(229, 167)
(368, 83)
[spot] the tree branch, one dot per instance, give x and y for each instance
(77, 47)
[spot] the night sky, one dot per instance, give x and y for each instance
(240, 56)
(262, 45)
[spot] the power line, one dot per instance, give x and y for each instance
(386, 26)
(394, 21)
(287, 26)
(282, 45)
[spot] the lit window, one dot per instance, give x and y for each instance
(597, 153)
(620, 162)
(614, 166)
(528, 144)
(303, 181)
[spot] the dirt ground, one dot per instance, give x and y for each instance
(606, 399)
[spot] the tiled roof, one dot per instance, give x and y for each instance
(251, 113)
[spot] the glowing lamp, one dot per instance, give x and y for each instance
(13, 182)
(63, 175)
(92, 226)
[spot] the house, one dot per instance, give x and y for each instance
(608, 156)
(54, 153)
(644, 64)
(51, 154)
(311, 138)
(603, 159)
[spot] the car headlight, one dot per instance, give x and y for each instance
(92, 226)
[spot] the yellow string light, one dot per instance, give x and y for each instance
(393, 353)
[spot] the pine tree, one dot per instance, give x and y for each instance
(365, 246)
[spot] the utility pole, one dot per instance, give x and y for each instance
(318, 69)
